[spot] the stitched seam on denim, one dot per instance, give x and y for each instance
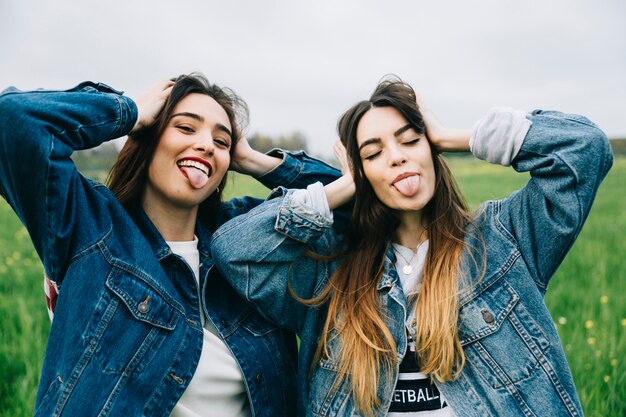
(484, 284)
(502, 314)
(94, 247)
(561, 391)
(297, 170)
(53, 388)
(578, 227)
(523, 333)
(150, 319)
(133, 364)
(50, 255)
(119, 385)
(84, 360)
(477, 403)
(138, 273)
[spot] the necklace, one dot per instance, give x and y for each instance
(408, 268)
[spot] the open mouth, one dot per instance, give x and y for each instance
(407, 183)
(196, 170)
(195, 164)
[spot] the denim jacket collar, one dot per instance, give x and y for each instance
(159, 246)
(390, 276)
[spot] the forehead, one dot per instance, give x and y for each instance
(379, 122)
(206, 107)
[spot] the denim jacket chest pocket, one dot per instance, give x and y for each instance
(500, 338)
(129, 323)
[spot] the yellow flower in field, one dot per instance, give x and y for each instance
(606, 378)
(591, 341)
(624, 322)
(589, 324)
(16, 255)
(604, 299)
(3, 269)
(9, 261)
(613, 362)
(562, 321)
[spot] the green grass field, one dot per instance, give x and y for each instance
(587, 297)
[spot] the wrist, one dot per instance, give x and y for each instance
(452, 140)
(256, 163)
(340, 191)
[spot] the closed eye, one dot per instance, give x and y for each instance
(185, 128)
(222, 143)
(411, 142)
(372, 156)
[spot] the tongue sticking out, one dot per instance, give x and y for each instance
(197, 178)
(408, 186)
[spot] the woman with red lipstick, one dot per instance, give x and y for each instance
(143, 323)
(425, 309)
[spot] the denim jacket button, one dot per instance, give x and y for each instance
(143, 307)
(258, 378)
(487, 316)
(224, 322)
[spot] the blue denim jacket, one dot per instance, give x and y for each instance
(515, 362)
(105, 354)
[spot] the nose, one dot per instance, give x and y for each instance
(204, 145)
(396, 156)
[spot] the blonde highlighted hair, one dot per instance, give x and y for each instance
(368, 354)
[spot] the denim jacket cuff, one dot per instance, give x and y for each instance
(299, 221)
(285, 172)
(498, 136)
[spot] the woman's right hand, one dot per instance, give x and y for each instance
(342, 189)
(150, 104)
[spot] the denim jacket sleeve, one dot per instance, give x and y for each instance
(297, 170)
(39, 131)
(567, 157)
(272, 263)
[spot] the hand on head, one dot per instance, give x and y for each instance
(342, 156)
(151, 102)
(243, 152)
(441, 137)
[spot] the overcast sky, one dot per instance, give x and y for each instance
(299, 65)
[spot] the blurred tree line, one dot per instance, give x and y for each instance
(619, 146)
(294, 141)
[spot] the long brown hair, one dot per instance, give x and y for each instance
(368, 351)
(128, 176)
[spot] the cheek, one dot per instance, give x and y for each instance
(223, 162)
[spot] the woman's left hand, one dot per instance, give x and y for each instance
(442, 138)
(249, 161)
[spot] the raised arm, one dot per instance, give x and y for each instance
(39, 131)
(262, 254)
(567, 157)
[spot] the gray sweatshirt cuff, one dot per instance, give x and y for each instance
(498, 136)
(314, 198)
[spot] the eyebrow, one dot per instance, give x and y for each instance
(377, 140)
(199, 118)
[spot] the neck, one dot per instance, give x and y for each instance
(411, 231)
(174, 223)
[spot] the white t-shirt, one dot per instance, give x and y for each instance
(414, 394)
(217, 388)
